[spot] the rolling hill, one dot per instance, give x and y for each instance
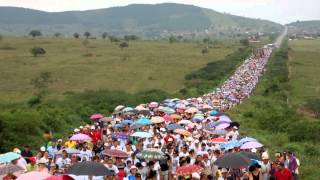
(140, 19)
(305, 28)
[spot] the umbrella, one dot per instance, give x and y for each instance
(184, 122)
(143, 121)
(174, 126)
(120, 135)
(96, 116)
(231, 144)
(119, 108)
(247, 139)
(157, 119)
(136, 126)
(182, 131)
(10, 168)
(34, 175)
(218, 140)
(107, 119)
(89, 168)
(167, 118)
(117, 126)
(191, 110)
(166, 109)
(188, 170)
(222, 126)
(251, 145)
(225, 118)
(180, 106)
(128, 109)
(142, 134)
(115, 153)
(233, 160)
(151, 154)
(69, 151)
(251, 155)
(153, 105)
(192, 125)
(80, 137)
(63, 177)
(145, 112)
(176, 116)
(8, 157)
(214, 113)
(127, 122)
(216, 132)
(216, 123)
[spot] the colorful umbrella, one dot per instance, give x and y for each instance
(157, 119)
(225, 118)
(184, 122)
(218, 140)
(182, 131)
(251, 145)
(153, 105)
(174, 126)
(8, 157)
(10, 168)
(151, 154)
(215, 132)
(34, 175)
(176, 116)
(80, 137)
(230, 145)
(63, 177)
(233, 160)
(144, 121)
(120, 135)
(127, 122)
(96, 116)
(191, 110)
(141, 134)
(188, 170)
(115, 153)
(167, 118)
(89, 168)
(166, 109)
(145, 112)
(222, 126)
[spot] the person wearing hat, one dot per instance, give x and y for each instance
(32, 164)
(265, 166)
(195, 176)
(42, 165)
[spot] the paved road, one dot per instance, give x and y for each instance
(280, 38)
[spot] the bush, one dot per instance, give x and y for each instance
(36, 51)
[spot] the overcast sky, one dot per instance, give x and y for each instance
(282, 11)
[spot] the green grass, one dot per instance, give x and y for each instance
(305, 71)
(144, 65)
(269, 114)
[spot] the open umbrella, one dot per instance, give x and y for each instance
(34, 175)
(143, 121)
(96, 116)
(233, 160)
(182, 131)
(215, 132)
(157, 119)
(141, 134)
(191, 110)
(251, 145)
(115, 153)
(167, 118)
(166, 109)
(10, 168)
(107, 119)
(225, 118)
(230, 145)
(145, 112)
(153, 105)
(89, 168)
(63, 177)
(247, 139)
(151, 154)
(8, 157)
(184, 122)
(69, 151)
(127, 122)
(251, 155)
(136, 126)
(222, 126)
(174, 126)
(218, 140)
(120, 135)
(188, 170)
(80, 137)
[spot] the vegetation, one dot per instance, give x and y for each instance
(35, 33)
(123, 45)
(104, 35)
(76, 35)
(36, 51)
(87, 34)
(269, 115)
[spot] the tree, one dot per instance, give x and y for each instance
(104, 35)
(244, 42)
(35, 33)
(87, 34)
(114, 39)
(37, 51)
(206, 40)
(130, 37)
(172, 39)
(123, 45)
(76, 35)
(204, 51)
(57, 35)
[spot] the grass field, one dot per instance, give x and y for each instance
(304, 65)
(100, 65)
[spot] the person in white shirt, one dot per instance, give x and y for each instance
(62, 161)
(113, 168)
(85, 154)
(184, 152)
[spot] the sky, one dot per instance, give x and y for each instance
(281, 11)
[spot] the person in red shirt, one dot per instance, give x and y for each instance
(283, 173)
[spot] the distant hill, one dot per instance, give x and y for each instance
(305, 28)
(140, 19)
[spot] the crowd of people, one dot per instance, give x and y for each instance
(172, 139)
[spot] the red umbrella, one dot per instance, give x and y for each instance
(218, 140)
(63, 177)
(188, 169)
(115, 153)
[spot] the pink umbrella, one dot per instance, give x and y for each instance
(167, 118)
(96, 116)
(222, 126)
(153, 105)
(34, 175)
(251, 145)
(225, 118)
(80, 137)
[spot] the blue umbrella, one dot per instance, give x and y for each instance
(142, 134)
(231, 144)
(214, 113)
(117, 126)
(247, 139)
(143, 121)
(8, 157)
(127, 122)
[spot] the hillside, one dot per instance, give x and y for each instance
(304, 28)
(132, 19)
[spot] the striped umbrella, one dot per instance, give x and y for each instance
(115, 153)
(188, 170)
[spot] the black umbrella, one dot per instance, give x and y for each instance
(251, 155)
(89, 168)
(233, 160)
(10, 168)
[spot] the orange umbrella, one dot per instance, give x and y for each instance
(188, 170)
(182, 131)
(218, 140)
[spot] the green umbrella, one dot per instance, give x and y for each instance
(151, 154)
